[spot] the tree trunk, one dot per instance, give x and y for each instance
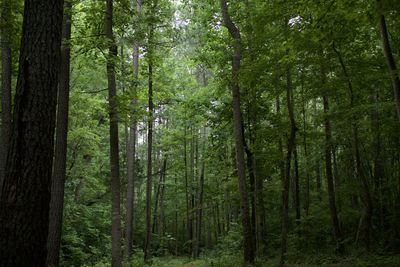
(6, 66)
(238, 124)
(297, 186)
(131, 157)
(286, 183)
(60, 150)
(188, 222)
(307, 193)
(114, 146)
(158, 194)
(367, 198)
(147, 248)
(200, 212)
(161, 223)
(394, 75)
(328, 163)
(25, 190)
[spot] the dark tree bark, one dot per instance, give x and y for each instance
(286, 183)
(305, 148)
(60, 150)
(238, 124)
(394, 75)
(114, 146)
(158, 195)
(6, 66)
(25, 189)
(147, 247)
(131, 157)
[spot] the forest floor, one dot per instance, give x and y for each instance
(234, 260)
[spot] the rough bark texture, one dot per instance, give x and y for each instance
(114, 146)
(25, 190)
(6, 67)
(60, 150)
(394, 75)
(131, 157)
(238, 131)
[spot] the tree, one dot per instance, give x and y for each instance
(25, 190)
(328, 160)
(131, 157)
(6, 68)
(60, 149)
(291, 146)
(114, 143)
(238, 130)
(147, 246)
(387, 50)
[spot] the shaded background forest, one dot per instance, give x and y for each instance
(319, 123)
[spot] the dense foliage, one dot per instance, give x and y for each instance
(296, 55)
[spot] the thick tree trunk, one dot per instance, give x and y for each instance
(114, 146)
(60, 150)
(394, 75)
(6, 67)
(238, 124)
(25, 190)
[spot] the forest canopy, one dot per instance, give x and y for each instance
(200, 133)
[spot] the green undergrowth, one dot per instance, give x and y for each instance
(234, 259)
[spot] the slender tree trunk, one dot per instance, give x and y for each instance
(114, 146)
(307, 193)
(238, 124)
(286, 183)
(328, 163)
(60, 152)
(161, 223)
(200, 212)
(367, 198)
(6, 66)
(191, 194)
(131, 157)
(297, 186)
(394, 75)
(157, 201)
(147, 248)
(25, 190)
(186, 185)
